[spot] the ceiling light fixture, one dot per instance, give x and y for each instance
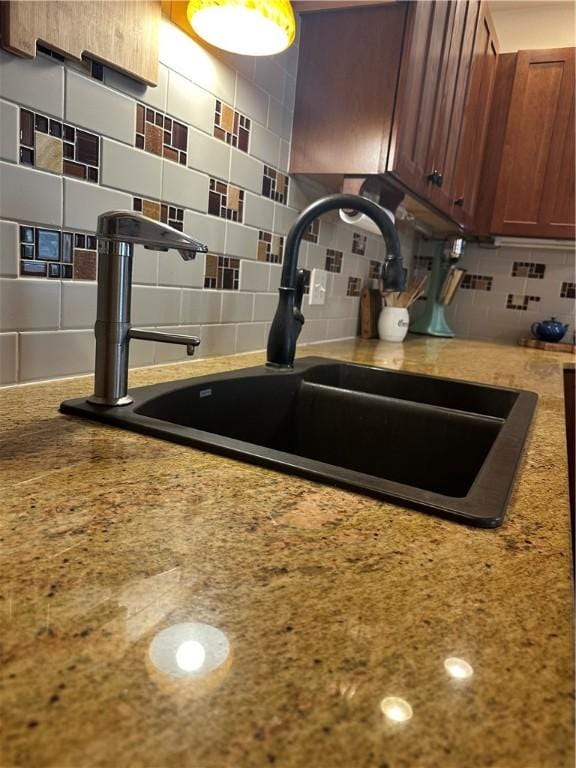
(249, 27)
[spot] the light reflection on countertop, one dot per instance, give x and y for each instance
(331, 602)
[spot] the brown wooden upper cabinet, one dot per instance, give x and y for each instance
(401, 90)
(529, 173)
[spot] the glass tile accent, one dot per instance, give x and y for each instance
(275, 185)
(161, 135)
(354, 286)
(221, 273)
(26, 128)
(47, 245)
(48, 52)
(225, 201)
(520, 301)
(50, 145)
(374, 270)
(359, 243)
(270, 247)
(476, 282)
(33, 268)
(568, 290)
(423, 262)
(41, 123)
(313, 232)
(168, 214)
(333, 260)
(56, 129)
(528, 269)
(84, 267)
(54, 254)
(97, 70)
(231, 126)
(26, 156)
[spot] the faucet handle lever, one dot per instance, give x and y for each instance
(393, 275)
(134, 228)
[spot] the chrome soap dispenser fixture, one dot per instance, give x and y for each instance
(117, 233)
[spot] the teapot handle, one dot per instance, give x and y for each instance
(532, 331)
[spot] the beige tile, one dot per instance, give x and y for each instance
(48, 153)
(8, 358)
(265, 306)
(131, 170)
(192, 61)
(251, 100)
(184, 187)
(47, 355)
(37, 83)
(9, 139)
(29, 304)
(153, 96)
(173, 270)
(207, 154)
(29, 195)
(246, 171)
(155, 306)
(9, 249)
(250, 337)
(279, 120)
(207, 229)
(270, 77)
(241, 241)
(145, 266)
(258, 211)
(78, 304)
(201, 306)
(236, 307)
(254, 276)
(98, 108)
(313, 330)
(217, 340)
(84, 202)
(190, 103)
(264, 144)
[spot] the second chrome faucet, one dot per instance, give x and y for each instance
(118, 232)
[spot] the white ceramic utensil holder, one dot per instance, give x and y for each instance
(393, 323)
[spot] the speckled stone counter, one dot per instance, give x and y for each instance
(330, 600)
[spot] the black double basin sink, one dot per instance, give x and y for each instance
(439, 445)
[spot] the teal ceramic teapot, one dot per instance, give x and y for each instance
(549, 330)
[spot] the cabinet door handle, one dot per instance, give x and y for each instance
(459, 202)
(435, 178)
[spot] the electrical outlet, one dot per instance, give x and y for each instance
(318, 280)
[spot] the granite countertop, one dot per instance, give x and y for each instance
(330, 600)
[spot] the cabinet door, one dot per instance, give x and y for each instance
(535, 191)
(347, 76)
(454, 86)
(475, 121)
(418, 96)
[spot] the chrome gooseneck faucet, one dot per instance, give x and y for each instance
(117, 233)
(288, 320)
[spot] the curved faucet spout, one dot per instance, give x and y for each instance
(288, 319)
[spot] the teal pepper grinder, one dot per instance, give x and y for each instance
(432, 322)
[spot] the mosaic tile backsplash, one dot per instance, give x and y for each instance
(506, 289)
(205, 152)
(50, 145)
